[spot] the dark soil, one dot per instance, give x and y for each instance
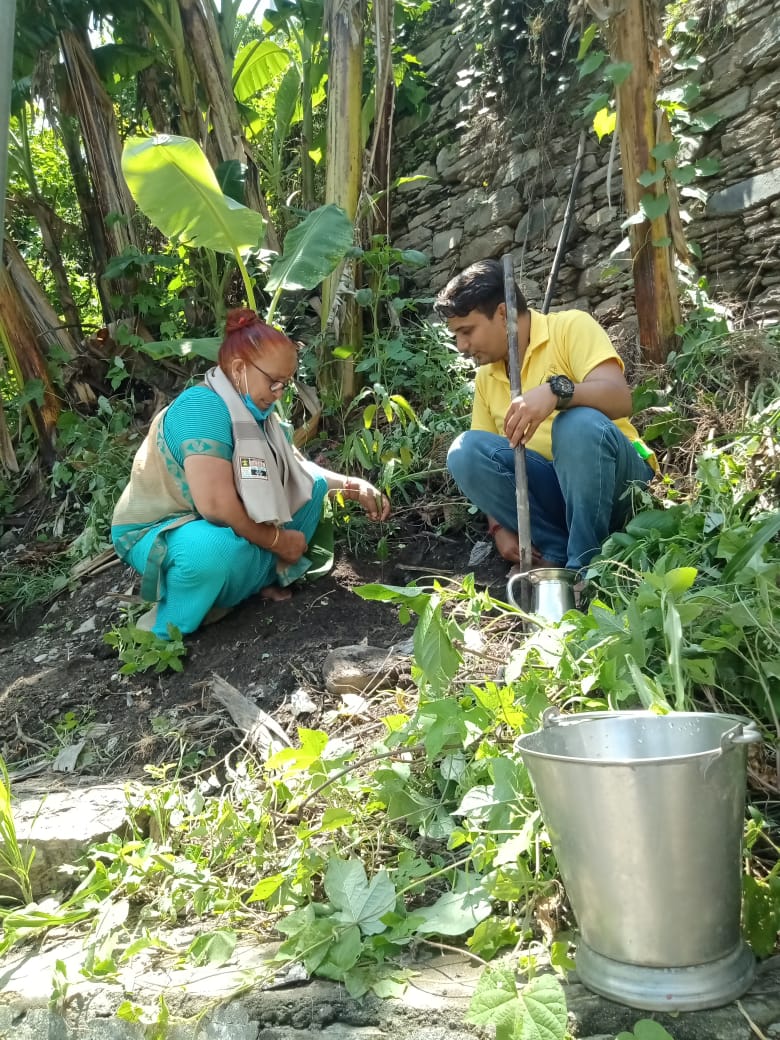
(60, 682)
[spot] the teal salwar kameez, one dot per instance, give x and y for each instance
(198, 566)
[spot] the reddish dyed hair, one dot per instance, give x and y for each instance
(246, 335)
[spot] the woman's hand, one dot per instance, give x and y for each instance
(375, 504)
(289, 546)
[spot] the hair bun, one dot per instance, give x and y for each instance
(241, 318)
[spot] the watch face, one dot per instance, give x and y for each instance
(562, 386)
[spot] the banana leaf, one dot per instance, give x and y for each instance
(231, 177)
(312, 250)
(256, 65)
(207, 348)
(171, 180)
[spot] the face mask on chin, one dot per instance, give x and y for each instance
(260, 414)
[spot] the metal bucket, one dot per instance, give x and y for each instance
(552, 591)
(645, 815)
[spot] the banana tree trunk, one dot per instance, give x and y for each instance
(340, 314)
(49, 224)
(205, 50)
(384, 94)
(7, 453)
(43, 319)
(631, 35)
(307, 128)
(102, 147)
(17, 332)
(60, 111)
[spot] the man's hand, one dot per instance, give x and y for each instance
(290, 546)
(526, 412)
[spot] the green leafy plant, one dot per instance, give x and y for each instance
(140, 650)
(646, 1029)
(89, 475)
(167, 167)
(15, 861)
(175, 186)
(537, 1009)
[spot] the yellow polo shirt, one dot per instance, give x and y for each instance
(568, 343)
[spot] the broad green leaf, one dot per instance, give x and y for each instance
(654, 206)
(171, 180)
(116, 62)
(495, 1001)
(647, 1029)
(663, 522)
(600, 100)
(679, 580)
(618, 72)
(357, 900)
(287, 105)
(389, 988)
(586, 40)
(491, 935)
(266, 887)
(648, 177)
(312, 250)
(684, 174)
(767, 530)
(413, 598)
(256, 65)
(333, 818)
(604, 122)
(674, 646)
(207, 348)
(455, 913)
(592, 62)
(434, 650)
(343, 953)
(665, 150)
(214, 948)
(231, 177)
(544, 1014)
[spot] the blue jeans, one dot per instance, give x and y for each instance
(575, 501)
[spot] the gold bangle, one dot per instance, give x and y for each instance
(276, 538)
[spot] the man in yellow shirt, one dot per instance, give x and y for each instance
(581, 450)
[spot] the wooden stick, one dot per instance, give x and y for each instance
(567, 219)
(263, 732)
(521, 476)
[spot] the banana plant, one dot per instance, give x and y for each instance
(174, 185)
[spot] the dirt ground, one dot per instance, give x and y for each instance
(61, 693)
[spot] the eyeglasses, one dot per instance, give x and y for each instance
(274, 385)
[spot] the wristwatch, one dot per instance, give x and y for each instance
(563, 388)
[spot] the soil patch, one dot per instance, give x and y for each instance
(60, 682)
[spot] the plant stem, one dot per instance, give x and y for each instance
(250, 293)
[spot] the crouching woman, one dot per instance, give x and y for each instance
(220, 505)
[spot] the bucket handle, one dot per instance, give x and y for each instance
(551, 717)
(739, 734)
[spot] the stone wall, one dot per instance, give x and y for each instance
(496, 183)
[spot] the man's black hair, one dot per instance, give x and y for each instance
(478, 288)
